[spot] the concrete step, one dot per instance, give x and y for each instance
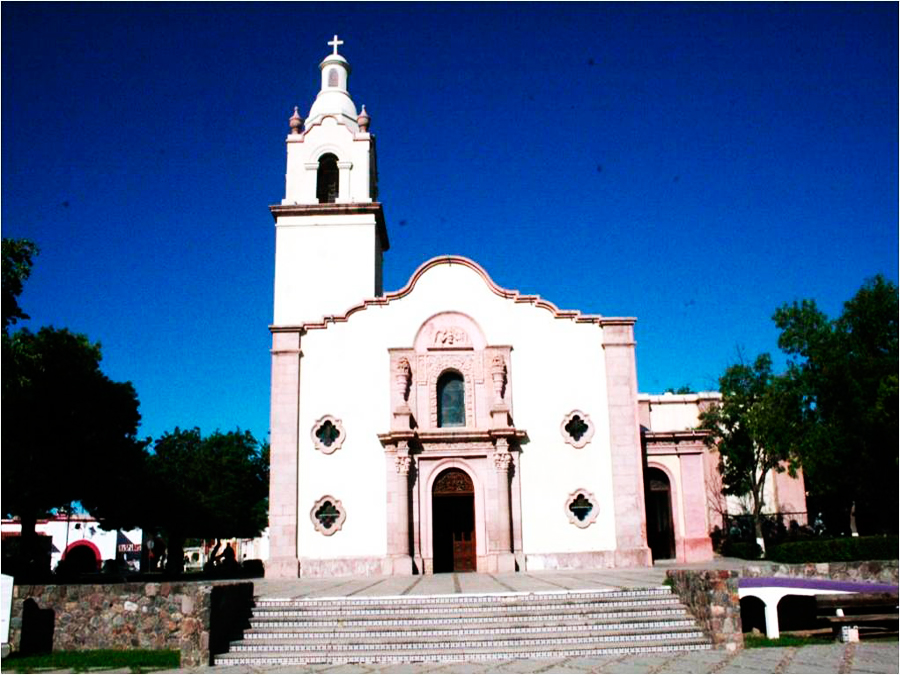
(469, 641)
(446, 656)
(438, 602)
(451, 628)
(500, 624)
(340, 612)
(445, 619)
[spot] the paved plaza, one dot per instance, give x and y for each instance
(878, 657)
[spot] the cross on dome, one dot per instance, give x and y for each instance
(334, 43)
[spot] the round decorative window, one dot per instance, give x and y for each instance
(328, 515)
(577, 429)
(581, 508)
(328, 434)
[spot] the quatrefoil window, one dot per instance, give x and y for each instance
(581, 508)
(328, 515)
(328, 434)
(577, 429)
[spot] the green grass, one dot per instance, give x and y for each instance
(754, 641)
(137, 660)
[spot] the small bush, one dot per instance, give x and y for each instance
(849, 549)
(742, 549)
(254, 568)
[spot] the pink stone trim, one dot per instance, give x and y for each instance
(508, 294)
(338, 442)
(338, 524)
(592, 516)
(590, 560)
(585, 437)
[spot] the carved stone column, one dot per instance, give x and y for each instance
(502, 529)
(398, 512)
(283, 555)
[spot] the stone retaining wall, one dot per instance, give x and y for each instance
(191, 617)
(712, 597)
(876, 571)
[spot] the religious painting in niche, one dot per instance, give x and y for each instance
(327, 179)
(577, 429)
(451, 400)
(581, 508)
(328, 434)
(328, 515)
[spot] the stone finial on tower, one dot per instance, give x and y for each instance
(363, 119)
(296, 121)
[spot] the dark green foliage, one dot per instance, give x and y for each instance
(17, 255)
(849, 549)
(82, 661)
(847, 431)
(69, 432)
(756, 641)
(741, 549)
(683, 389)
(212, 487)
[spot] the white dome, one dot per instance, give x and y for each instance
(332, 102)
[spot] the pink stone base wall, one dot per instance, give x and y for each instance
(282, 568)
(588, 560)
(693, 550)
(346, 567)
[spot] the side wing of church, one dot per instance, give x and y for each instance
(452, 425)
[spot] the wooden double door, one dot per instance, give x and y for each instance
(453, 520)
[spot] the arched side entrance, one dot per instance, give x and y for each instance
(453, 522)
(660, 524)
(82, 556)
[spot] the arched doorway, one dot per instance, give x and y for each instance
(660, 528)
(453, 522)
(82, 558)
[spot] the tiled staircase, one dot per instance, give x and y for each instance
(449, 628)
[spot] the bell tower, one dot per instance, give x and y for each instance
(329, 228)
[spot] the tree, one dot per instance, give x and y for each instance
(213, 487)
(69, 432)
(753, 429)
(17, 255)
(846, 369)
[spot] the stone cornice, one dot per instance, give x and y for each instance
(373, 208)
(682, 442)
(437, 437)
(509, 294)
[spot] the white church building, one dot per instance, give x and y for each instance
(484, 430)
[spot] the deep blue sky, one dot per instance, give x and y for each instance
(694, 166)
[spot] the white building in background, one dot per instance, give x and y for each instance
(81, 541)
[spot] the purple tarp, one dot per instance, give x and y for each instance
(816, 584)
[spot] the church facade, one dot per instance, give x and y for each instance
(483, 430)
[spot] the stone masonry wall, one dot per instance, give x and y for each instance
(712, 597)
(164, 615)
(875, 571)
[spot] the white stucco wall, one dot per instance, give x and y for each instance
(323, 265)
(556, 366)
